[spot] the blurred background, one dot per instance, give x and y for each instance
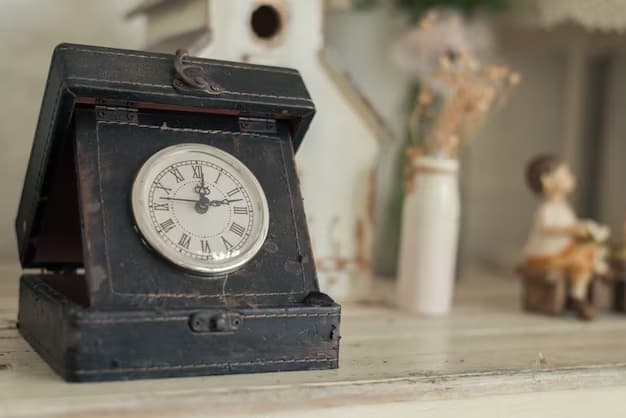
(570, 54)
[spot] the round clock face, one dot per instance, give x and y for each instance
(200, 208)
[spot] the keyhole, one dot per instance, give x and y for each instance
(266, 22)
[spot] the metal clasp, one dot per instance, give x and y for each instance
(208, 321)
(192, 76)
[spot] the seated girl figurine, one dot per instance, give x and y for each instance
(559, 241)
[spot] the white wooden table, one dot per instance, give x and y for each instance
(486, 359)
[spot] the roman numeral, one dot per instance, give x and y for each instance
(218, 177)
(240, 210)
(205, 246)
(168, 225)
(177, 174)
(237, 229)
(197, 171)
(184, 241)
(233, 192)
(158, 185)
(227, 244)
(161, 206)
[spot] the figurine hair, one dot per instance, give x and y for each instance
(537, 168)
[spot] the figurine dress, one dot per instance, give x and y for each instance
(547, 250)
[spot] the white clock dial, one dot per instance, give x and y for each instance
(200, 208)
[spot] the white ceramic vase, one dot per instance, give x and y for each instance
(429, 239)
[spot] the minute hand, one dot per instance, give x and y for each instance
(178, 199)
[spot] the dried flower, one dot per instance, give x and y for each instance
(515, 79)
(441, 33)
(457, 93)
(425, 97)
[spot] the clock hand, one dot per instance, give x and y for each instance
(201, 206)
(204, 203)
(201, 189)
(179, 199)
(223, 202)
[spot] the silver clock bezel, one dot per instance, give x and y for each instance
(140, 211)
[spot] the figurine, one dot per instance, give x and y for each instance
(559, 242)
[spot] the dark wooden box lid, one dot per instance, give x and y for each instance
(113, 77)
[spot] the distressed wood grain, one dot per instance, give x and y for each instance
(487, 351)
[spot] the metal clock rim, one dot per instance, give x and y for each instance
(146, 232)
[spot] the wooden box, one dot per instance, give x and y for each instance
(96, 302)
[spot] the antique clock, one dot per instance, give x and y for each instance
(201, 208)
(162, 212)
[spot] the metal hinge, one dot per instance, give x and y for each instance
(116, 114)
(257, 125)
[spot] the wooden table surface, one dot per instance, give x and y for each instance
(485, 359)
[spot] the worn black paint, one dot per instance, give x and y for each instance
(133, 314)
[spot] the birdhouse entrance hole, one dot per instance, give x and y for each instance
(266, 21)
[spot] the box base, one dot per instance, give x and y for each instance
(83, 344)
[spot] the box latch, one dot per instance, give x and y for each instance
(190, 76)
(215, 321)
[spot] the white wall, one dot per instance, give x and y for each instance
(29, 30)
(359, 44)
(612, 181)
(498, 207)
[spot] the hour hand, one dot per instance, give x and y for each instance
(223, 202)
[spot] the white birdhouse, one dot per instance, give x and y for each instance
(337, 158)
